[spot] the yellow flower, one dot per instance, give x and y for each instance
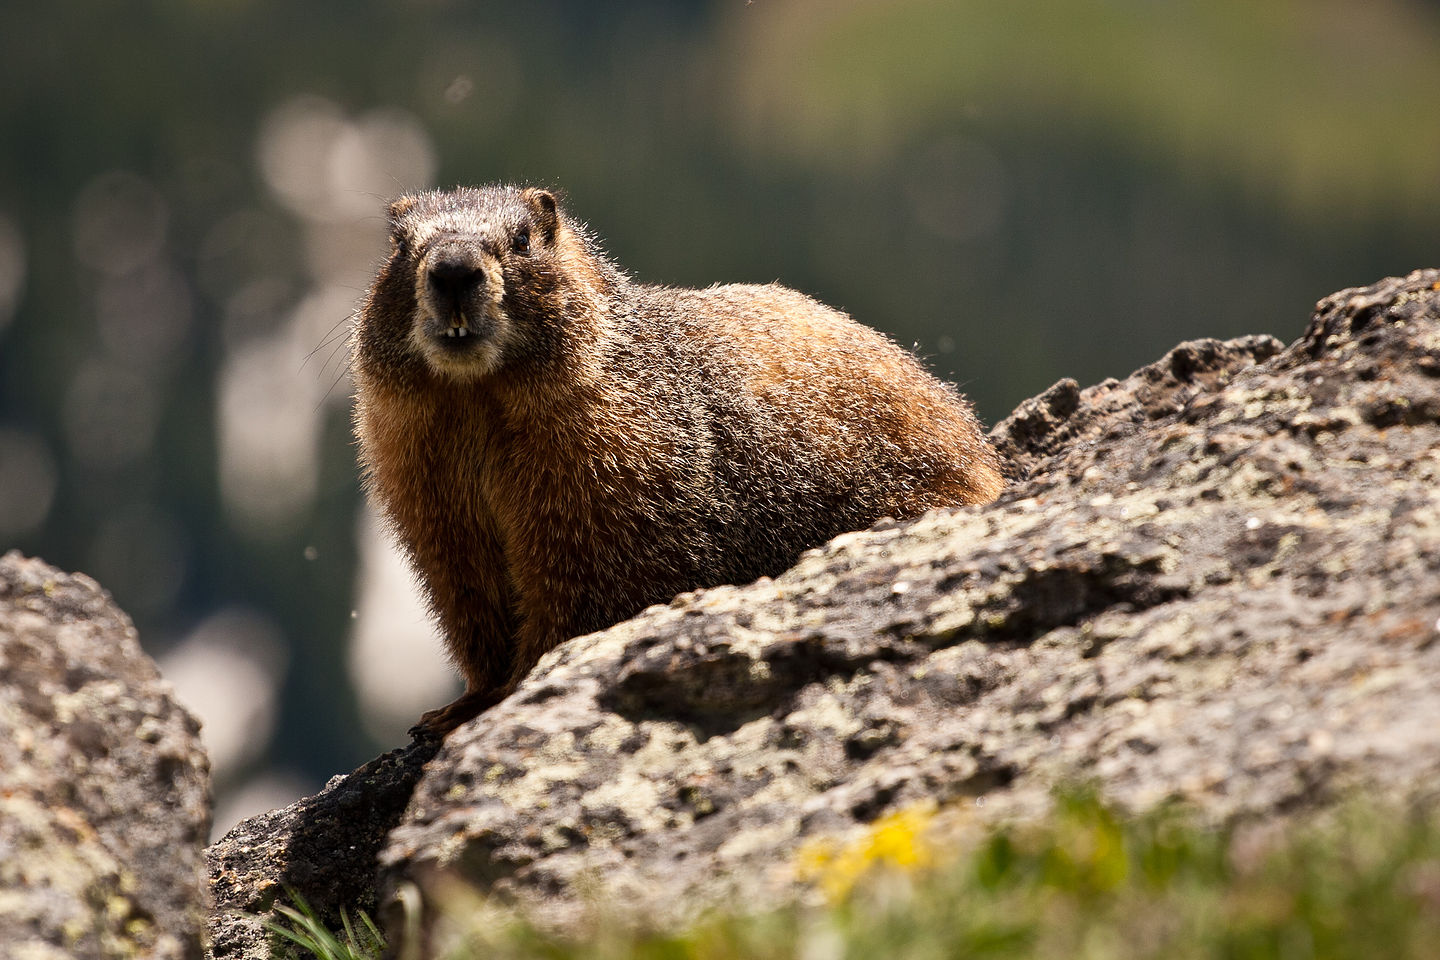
(895, 841)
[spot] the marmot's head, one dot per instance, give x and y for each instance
(477, 279)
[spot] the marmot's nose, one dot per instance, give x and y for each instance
(453, 276)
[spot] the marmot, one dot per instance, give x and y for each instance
(558, 446)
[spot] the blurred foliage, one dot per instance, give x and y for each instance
(1086, 881)
(1024, 191)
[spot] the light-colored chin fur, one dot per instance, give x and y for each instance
(480, 360)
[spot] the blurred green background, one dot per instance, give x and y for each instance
(190, 200)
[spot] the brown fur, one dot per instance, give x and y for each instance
(594, 445)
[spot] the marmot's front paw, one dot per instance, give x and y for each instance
(436, 724)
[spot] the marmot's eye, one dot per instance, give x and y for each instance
(522, 242)
(401, 243)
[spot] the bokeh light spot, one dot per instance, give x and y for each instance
(110, 414)
(227, 672)
(12, 269)
(120, 221)
(27, 483)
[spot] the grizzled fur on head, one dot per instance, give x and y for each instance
(478, 280)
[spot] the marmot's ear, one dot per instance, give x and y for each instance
(543, 205)
(399, 208)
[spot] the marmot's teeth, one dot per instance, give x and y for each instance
(463, 331)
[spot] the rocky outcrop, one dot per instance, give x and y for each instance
(104, 787)
(1219, 581)
(1215, 580)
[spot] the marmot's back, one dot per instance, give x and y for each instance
(820, 424)
(557, 446)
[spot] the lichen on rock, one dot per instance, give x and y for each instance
(104, 786)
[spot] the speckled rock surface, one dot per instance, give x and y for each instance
(104, 787)
(1217, 580)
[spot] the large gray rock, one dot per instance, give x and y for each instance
(1216, 580)
(104, 787)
